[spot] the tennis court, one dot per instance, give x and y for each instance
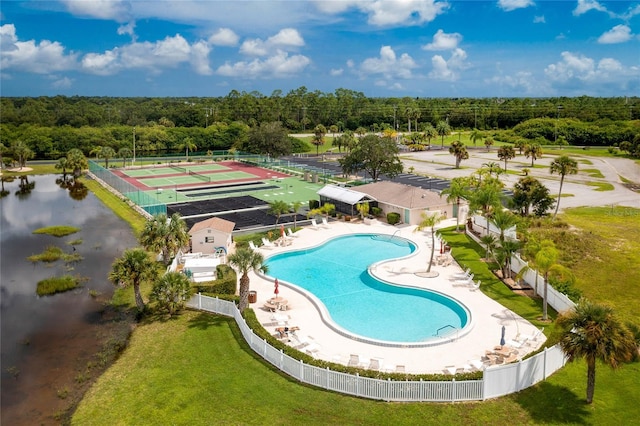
(173, 169)
(193, 176)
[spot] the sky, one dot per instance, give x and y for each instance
(382, 48)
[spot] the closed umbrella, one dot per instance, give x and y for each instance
(501, 338)
(276, 290)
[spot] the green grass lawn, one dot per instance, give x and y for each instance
(197, 370)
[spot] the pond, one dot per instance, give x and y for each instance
(49, 342)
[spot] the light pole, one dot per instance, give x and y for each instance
(134, 146)
(558, 108)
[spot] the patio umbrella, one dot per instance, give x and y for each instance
(501, 338)
(282, 231)
(275, 288)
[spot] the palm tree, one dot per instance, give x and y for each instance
(490, 244)
(295, 206)
(318, 137)
(443, 129)
(488, 142)
(429, 221)
(534, 151)
(563, 165)
(164, 236)
(134, 268)
(592, 332)
(485, 198)
(277, 208)
(63, 165)
(124, 153)
(476, 135)
(246, 260)
(459, 150)
(504, 253)
(456, 191)
(76, 161)
(506, 153)
(171, 292)
(503, 220)
(429, 132)
(546, 262)
(188, 145)
(106, 152)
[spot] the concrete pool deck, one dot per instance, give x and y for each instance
(487, 316)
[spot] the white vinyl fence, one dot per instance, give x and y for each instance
(497, 380)
(558, 301)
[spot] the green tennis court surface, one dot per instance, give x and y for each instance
(287, 190)
(188, 179)
(168, 170)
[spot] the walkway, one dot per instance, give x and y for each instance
(488, 316)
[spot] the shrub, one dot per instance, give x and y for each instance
(314, 204)
(224, 284)
(171, 292)
(393, 218)
(376, 211)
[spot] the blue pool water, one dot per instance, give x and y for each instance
(336, 274)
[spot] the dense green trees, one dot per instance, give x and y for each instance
(374, 154)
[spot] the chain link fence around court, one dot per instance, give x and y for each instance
(143, 199)
(306, 171)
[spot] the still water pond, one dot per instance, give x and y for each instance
(47, 341)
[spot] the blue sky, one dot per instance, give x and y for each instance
(383, 48)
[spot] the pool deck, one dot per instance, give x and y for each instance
(488, 316)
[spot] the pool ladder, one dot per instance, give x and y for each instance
(445, 327)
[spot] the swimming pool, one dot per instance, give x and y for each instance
(336, 278)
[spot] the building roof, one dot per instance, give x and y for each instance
(216, 223)
(344, 195)
(400, 195)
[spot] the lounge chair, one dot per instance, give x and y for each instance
(280, 319)
(475, 286)
(462, 275)
(477, 364)
(400, 368)
(313, 349)
(354, 360)
(324, 222)
(314, 224)
(462, 278)
(252, 246)
(532, 337)
(375, 364)
(291, 234)
(266, 243)
(450, 369)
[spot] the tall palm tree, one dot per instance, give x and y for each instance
(318, 137)
(485, 198)
(546, 261)
(458, 150)
(592, 332)
(563, 165)
(457, 190)
(188, 145)
(277, 208)
(76, 161)
(505, 251)
(246, 260)
(476, 135)
(295, 206)
(490, 245)
(429, 221)
(506, 153)
(164, 236)
(443, 129)
(134, 268)
(534, 151)
(430, 133)
(107, 153)
(124, 153)
(503, 220)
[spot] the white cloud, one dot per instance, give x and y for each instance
(284, 40)
(443, 41)
(40, 58)
(167, 53)
(351, 63)
(118, 10)
(388, 64)
(448, 70)
(575, 67)
(586, 5)
(617, 34)
(63, 83)
(336, 72)
(509, 5)
(539, 20)
(128, 29)
(224, 37)
(521, 81)
(388, 12)
(277, 66)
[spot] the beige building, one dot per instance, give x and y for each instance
(211, 235)
(410, 201)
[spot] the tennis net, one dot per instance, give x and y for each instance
(178, 168)
(199, 176)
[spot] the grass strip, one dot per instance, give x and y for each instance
(54, 285)
(57, 231)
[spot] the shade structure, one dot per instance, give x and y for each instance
(276, 290)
